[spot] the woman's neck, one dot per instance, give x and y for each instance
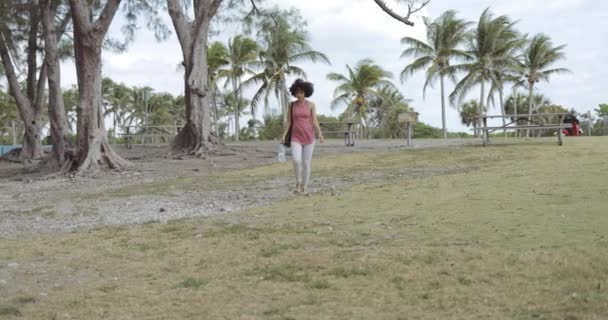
(300, 100)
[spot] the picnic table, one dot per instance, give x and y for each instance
(347, 131)
(153, 132)
(529, 123)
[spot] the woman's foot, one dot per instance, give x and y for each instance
(298, 188)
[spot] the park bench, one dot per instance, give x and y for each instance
(347, 131)
(528, 121)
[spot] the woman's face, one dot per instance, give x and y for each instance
(300, 93)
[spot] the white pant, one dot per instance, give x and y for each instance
(302, 159)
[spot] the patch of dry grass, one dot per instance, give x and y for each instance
(509, 232)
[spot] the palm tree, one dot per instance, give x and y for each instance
(538, 57)
(491, 44)
(508, 72)
(117, 100)
(230, 108)
(217, 58)
(443, 39)
(512, 103)
(242, 54)
(382, 107)
(283, 46)
(468, 113)
(358, 87)
(70, 98)
(385, 109)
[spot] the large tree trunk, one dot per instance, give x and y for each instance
(530, 93)
(94, 151)
(195, 137)
(29, 106)
(57, 115)
(93, 146)
(443, 126)
(32, 143)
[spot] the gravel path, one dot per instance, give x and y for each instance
(32, 203)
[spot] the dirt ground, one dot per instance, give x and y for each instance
(33, 202)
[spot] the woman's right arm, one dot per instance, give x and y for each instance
(287, 125)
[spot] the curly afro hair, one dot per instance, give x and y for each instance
(305, 86)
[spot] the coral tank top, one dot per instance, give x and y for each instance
(302, 129)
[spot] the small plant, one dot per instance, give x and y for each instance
(276, 250)
(342, 272)
(320, 284)
(193, 283)
(286, 273)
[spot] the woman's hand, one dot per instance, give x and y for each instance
(321, 139)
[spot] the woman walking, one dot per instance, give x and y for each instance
(302, 120)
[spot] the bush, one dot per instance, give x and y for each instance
(423, 130)
(272, 129)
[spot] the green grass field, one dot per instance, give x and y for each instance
(506, 232)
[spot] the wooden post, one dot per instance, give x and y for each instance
(14, 132)
(485, 133)
(408, 127)
(589, 122)
(351, 135)
(560, 140)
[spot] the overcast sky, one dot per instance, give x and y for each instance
(350, 30)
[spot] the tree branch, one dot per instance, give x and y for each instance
(255, 10)
(181, 24)
(80, 15)
(42, 79)
(11, 76)
(102, 24)
(63, 25)
(32, 51)
(411, 9)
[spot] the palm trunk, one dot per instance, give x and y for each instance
(530, 93)
(114, 126)
(515, 101)
(502, 110)
(285, 100)
(216, 114)
(443, 125)
(236, 110)
(481, 108)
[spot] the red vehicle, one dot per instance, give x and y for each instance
(575, 130)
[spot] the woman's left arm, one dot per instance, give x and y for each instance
(315, 122)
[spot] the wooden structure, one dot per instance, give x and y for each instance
(408, 118)
(148, 134)
(528, 121)
(346, 130)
